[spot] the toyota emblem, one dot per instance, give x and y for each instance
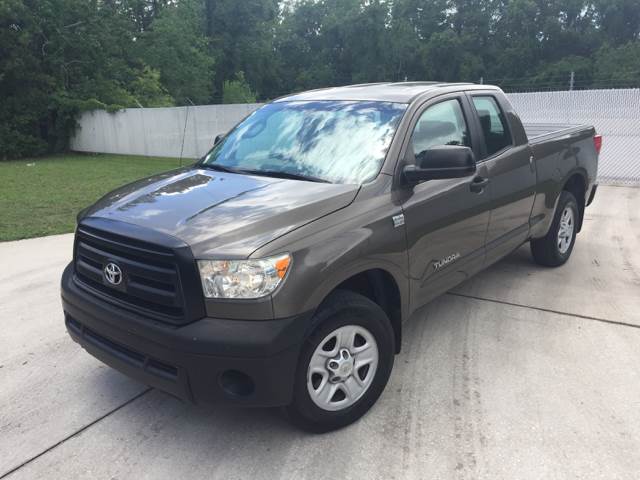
(113, 274)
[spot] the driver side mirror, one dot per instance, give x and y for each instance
(218, 138)
(443, 161)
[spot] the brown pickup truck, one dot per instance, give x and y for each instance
(278, 270)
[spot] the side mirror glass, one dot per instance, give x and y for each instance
(443, 161)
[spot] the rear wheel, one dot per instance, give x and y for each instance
(344, 365)
(555, 248)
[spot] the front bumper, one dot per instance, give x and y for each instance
(208, 361)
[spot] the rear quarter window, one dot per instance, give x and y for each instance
(493, 123)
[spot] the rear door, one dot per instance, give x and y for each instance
(446, 220)
(511, 172)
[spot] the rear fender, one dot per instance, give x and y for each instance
(546, 202)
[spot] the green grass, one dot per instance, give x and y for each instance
(42, 196)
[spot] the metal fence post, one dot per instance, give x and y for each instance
(571, 81)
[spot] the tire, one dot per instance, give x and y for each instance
(361, 323)
(554, 249)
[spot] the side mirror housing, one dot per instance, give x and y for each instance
(218, 138)
(444, 161)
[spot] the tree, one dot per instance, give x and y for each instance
(619, 20)
(60, 57)
(241, 35)
(303, 59)
(412, 25)
(237, 90)
(175, 45)
(617, 66)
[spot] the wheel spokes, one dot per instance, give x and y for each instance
(342, 367)
(353, 388)
(347, 336)
(365, 357)
(324, 381)
(565, 230)
(333, 342)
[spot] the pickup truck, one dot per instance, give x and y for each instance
(278, 270)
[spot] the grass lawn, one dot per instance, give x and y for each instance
(42, 196)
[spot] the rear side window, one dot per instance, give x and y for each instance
(493, 123)
(440, 124)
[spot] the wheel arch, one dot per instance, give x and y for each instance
(382, 287)
(576, 184)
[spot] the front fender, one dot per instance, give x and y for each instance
(317, 270)
(338, 246)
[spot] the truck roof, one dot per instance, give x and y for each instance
(399, 92)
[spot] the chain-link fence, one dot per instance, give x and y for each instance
(614, 113)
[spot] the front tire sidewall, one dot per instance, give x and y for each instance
(303, 411)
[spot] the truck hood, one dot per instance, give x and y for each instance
(221, 214)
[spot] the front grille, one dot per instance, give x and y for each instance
(150, 273)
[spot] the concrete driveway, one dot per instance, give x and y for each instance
(521, 373)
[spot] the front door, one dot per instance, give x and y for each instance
(446, 220)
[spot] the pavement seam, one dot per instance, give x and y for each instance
(77, 432)
(542, 309)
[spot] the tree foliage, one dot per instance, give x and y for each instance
(61, 57)
(237, 90)
(175, 45)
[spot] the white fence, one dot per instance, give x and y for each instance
(189, 131)
(159, 132)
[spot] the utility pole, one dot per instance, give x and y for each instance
(573, 76)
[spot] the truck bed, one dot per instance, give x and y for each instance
(538, 132)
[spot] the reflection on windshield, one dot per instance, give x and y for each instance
(341, 142)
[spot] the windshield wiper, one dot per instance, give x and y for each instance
(264, 173)
(219, 168)
(277, 174)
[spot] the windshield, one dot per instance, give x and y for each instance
(338, 142)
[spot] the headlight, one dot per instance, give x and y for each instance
(242, 278)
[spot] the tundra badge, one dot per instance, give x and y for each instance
(446, 261)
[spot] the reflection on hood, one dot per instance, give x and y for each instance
(216, 212)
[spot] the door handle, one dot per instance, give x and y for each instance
(478, 184)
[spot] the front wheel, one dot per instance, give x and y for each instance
(344, 364)
(555, 248)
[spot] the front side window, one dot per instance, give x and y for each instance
(440, 124)
(333, 141)
(493, 123)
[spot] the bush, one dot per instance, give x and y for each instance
(16, 144)
(237, 91)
